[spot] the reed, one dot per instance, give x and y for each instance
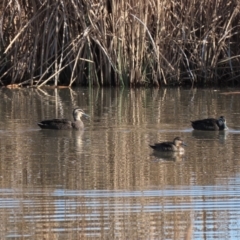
(119, 43)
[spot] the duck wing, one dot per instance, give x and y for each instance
(209, 124)
(55, 124)
(164, 146)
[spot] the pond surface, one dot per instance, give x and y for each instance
(106, 182)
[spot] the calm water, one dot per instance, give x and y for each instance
(105, 182)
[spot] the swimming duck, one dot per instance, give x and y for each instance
(63, 124)
(175, 146)
(210, 124)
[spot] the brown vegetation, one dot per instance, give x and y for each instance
(132, 43)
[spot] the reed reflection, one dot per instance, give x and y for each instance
(106, 182)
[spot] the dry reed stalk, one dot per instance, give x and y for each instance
(103, 42)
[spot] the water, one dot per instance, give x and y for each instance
(106, 182)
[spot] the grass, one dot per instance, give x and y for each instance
(119, 43)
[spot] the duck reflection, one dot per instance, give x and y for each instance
(168, 156)
(68, 141)
(210, 135)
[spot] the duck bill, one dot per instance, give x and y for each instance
(86, 116)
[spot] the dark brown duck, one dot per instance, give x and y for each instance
(210, 124)
(175, 146)
(64, 124)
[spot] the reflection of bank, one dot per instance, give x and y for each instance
(210, 135)
(169, 156)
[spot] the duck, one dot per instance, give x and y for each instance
(210, 124)
(175, 146)
(64, 124)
